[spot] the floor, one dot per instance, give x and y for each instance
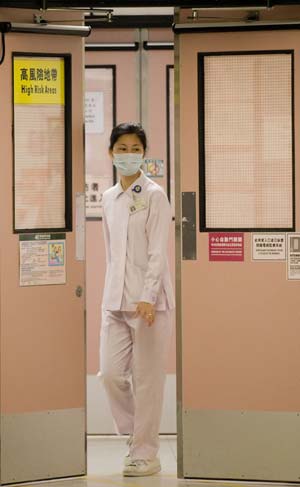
(105, 457)
(105, 461)
(113, 451)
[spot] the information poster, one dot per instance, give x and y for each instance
(94, 189)
(154, 168)
(39, 142)
(42, 259)
(294, 256)
(94, 112)
(226, 247)
(269, 246)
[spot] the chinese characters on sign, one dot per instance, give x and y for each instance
(293, 264)
(94, 112)
(42, 259)
(269, 246)
(94, 189)
(38, 80)
(226, 247)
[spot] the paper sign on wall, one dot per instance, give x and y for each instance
(154, 168)
(226, 247)
(268, 246)
(94, 189)
(94, 112)
(42, 259)
(293, 264)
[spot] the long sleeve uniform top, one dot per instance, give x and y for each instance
(136, 225)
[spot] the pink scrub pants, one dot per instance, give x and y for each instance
(133, 359)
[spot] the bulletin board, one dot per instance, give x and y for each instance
(42, 142)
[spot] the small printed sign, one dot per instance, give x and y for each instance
(293, 264)
(226, 247)
(94, 189)
(154, 168)
(42, 259)
(269, 246)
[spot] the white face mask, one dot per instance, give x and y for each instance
(128, 164)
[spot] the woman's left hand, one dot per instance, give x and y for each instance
(146, 311)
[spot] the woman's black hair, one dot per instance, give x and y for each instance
(128, 128)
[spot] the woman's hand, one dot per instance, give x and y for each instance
(146, 311)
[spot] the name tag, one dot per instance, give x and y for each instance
(137, 205)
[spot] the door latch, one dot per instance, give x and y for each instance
(79, 291)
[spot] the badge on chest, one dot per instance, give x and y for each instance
(137, 205)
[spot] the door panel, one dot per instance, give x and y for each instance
(42, 327)
(239, 383)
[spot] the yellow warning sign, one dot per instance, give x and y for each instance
(39, 80)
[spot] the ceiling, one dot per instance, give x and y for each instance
(49, 4)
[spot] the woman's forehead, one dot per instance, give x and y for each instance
(131, 139)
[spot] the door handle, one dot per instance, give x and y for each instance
(79, 291)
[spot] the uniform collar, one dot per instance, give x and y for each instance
(140, 181)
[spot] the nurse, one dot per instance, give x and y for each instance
(137, 300)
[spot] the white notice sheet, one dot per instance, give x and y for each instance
(42, 259)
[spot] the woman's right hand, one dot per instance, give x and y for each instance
(146, 311)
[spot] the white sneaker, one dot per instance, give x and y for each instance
(141, 468)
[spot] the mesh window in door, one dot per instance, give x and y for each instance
(246, 141)
(42, 143)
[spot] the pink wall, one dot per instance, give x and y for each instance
(42, 327)
(240, 320)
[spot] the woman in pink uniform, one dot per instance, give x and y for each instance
(137, 299)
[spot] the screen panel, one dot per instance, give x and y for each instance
(246, 141)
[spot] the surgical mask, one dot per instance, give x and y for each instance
(128, 163)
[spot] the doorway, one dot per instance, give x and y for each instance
(129, 76)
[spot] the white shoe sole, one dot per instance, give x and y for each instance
(132, 473)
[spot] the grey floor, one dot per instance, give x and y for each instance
(105, 457)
